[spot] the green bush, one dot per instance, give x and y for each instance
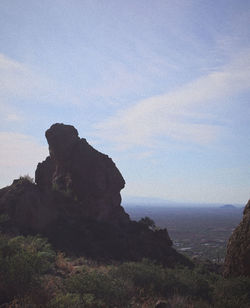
(232, 292)
(39, 248)
(67, 301)
(154, 279)
(102, 287)
(193, 284)
(145, 275)
(22, 261)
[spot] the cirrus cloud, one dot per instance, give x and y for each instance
(187, 114)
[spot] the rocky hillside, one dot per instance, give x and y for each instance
(237, 261)
(75, 202)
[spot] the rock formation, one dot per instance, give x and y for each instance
(237, 261)
(75, 202)
(27, 208)
(88, 176)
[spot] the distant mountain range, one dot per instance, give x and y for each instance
(228, 207)
(128, 201)
(145, 200)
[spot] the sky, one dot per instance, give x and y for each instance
(162, 87)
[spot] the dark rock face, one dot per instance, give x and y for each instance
(44, 173)
(237, 261)
(90, 177)
(28, 209)
(76, 203)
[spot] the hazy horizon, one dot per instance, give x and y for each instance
(162, 87)
(134, 201)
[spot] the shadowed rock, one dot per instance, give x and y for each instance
(237, 261)
(77, 169)
(76, 203)
(26, 207)
(44, 173)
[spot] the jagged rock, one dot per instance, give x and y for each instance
(76, 203)
(237, 261)
(78, 169)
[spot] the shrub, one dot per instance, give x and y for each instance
(233, 292)
(145, 275)
(69, 300)
(22, 261)
(103, 289)
(148, 222)
(193, 284)
(26, 177)
(154, 280)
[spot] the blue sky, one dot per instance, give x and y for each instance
(162, 87)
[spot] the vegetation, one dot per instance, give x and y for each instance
(26, 177)
(32, 274)
(23, 262)
(147, 221)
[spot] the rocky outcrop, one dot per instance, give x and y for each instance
(237, 261)
(26, 207)
(75, 202)
(88, 176)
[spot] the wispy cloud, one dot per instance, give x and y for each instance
(17, 80)
(20, 81)
(19, 155)
(9, 114)
(185, 114)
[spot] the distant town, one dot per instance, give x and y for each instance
(200, 232)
